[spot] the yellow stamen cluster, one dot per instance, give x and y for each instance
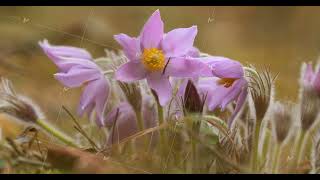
(153, 59)
(226, 82)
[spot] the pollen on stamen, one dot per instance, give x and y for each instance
(153, 59)
(226, 82)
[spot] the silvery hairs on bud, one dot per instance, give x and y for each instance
(309, 107)
(19, 107)
(262, 91)
(131, 91)
(282, 120)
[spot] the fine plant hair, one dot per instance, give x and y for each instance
(281, 120)
(17, 106)
(133, 94)
(131, 91)
(310, 104)
(315, 156)
(262, 91)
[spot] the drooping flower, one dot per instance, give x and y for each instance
(156, 56)
(227, 84)
(76, 69)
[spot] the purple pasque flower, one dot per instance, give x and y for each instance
(75, 69)
(123, 120)
(156, 56)
(311, 78)
(227, 84)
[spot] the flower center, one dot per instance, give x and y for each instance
(153, 59)
(226, 82)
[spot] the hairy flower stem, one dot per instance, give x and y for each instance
(56, 133)
(194, 156)
(299, 148)
(255, 146)
(195, 130)
(140, 123)
(276, 159)
(162, 133)
(140, 120)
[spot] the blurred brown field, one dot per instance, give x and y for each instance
(278, 37)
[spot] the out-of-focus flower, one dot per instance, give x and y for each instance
(282, 119)
(123, 120)
(227, 84)
(17, 106)
(75, 69)
(156, 56)
(311, 78)
(309, 95)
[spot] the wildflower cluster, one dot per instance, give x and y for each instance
(160, 94)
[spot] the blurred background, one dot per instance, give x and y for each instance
(279, 37)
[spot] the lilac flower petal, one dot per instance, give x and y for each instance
(316, 81)
(65, 64)
(64, 51)
(215, 93)
(130, 45)
(101, 96)
(179, 42)
(308, 73)
(224, 67)
(193, 52)
(125, 123)
(161, 85)
(66, 57)
(234, 91)
(123, 107)
(87, 98)
(130, 71)
(88, 109)
(152, 32)
(187, 67)
(77, 76)
(95, 92)
(240, 102)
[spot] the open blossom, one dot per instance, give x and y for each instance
(311, 78)
(75, 69)
(227, 84)
(156, 56)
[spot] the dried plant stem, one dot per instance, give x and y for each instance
(276, 159)
(255, 146)
(56, 133)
